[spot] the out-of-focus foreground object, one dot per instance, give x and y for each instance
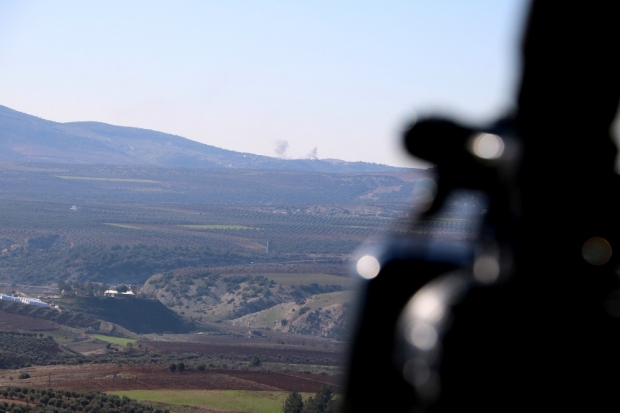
(527, 316)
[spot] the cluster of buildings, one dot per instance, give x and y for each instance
(24, 300)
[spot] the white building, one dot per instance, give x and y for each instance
(114, 293)
(24, 300)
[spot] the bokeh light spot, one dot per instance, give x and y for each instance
(368, 267)
(428, 305)
(423, 336)
(486, 269)
(486, 146)
(417, 372)
(425, 190)
(596, 251)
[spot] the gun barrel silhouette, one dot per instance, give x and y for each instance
(528, 315)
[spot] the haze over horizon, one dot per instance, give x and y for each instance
(321, 80)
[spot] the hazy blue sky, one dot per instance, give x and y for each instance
(339, 76)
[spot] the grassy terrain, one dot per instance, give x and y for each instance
(43, 241)
(227, 400)
(320, 301)
(211, 245)
(274, 314)
(90, 178)
(63, 334)
(127, 226)
(217, 227)
(114, 340)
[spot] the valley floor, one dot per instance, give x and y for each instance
(112, 377)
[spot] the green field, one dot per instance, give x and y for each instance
(121, 225)
(216, 227)
(88, 178)
(226, 400)
(114, 340)
(323, 300)
(61, 335)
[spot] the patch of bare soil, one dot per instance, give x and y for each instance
(288, 381)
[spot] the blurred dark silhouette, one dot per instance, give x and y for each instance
(528, 316)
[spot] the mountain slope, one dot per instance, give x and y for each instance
(27, 138)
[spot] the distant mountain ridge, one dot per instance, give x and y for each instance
(27, 138)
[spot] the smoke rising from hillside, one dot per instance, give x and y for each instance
(281, 147)
(312, 155)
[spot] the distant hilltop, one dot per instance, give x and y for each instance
(27, 138)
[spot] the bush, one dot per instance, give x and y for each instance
(23, 376)
(255, 362)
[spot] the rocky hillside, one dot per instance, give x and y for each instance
(308, 318)
(312, 304)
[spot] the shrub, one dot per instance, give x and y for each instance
(254, 362)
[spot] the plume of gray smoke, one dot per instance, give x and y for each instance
(312, 155)
(281, 147)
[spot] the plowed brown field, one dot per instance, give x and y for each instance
(109, 377)
(268, 352)
(11, 322)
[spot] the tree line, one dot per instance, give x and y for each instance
(65, 401)
(322, 402)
